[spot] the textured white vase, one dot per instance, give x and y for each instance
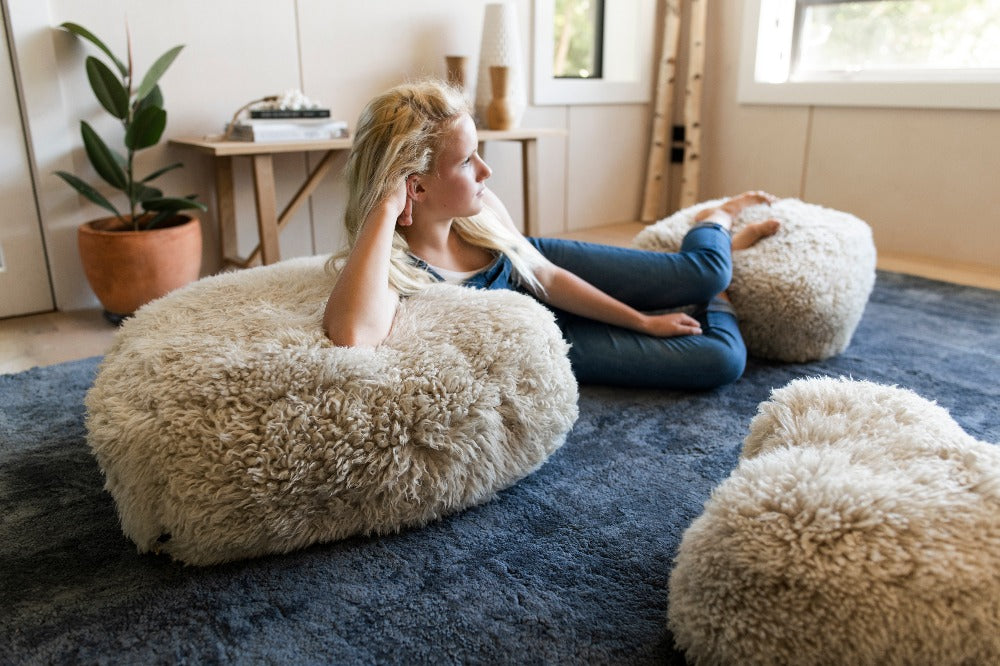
(501, 45)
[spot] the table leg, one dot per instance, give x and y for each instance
(307, 188)
(529, 190)
(267, 208)
(226, 210)
(529, 168)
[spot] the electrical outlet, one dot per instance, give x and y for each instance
(677, 144)
(3, 263)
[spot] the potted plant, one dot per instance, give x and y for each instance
(147, 247)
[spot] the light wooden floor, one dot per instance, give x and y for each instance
(53, 337)
(56, 337)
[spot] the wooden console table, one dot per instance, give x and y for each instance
(270, 222)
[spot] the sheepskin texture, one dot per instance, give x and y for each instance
(228, 426)
(862, 526)
(800, 293)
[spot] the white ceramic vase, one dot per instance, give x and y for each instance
(501, 46)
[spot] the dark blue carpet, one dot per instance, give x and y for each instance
(570, 566)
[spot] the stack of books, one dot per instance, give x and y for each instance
(288, 125)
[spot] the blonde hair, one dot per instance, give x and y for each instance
(398, 134)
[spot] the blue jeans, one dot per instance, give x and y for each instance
(654, 281)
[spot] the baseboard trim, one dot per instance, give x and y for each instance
(973, 275)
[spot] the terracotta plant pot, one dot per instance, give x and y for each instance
(127, 269)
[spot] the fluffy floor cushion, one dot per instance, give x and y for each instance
(861, 527)
(799, 294)
(229, 427)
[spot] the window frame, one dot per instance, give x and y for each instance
(630, 82)
(927, 89)
(597, 70)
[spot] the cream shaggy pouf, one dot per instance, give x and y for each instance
(861, 527)
(228, 426)
(800, 293)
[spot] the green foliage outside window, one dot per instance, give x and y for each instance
(577, 38)
(900, 34)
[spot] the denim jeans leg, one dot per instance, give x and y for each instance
(605, 354)
(648, 281)
(645, 279)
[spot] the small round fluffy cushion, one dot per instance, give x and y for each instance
(800, 293)
(862, 526)
(228, 426)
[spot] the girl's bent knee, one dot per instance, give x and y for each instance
(723, 364)
(709, 274)
(732, 369)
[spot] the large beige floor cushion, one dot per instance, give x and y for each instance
(862, 526)
(799, 294)
(228, 426)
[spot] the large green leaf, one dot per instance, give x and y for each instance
(154, 98)
(160, 172)
(88, 191)
(141, 192)
(120, 160)
(152, 222)
(172, 204)
(86, 34)
(146, 128)
(104, 160)
(156, 71)
(107, 88)
(167, 207)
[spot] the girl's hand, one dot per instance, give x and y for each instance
(670, 325)
(397, 205)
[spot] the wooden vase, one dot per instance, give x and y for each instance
(499, 114)
(456, 71)
(500, 45)
(127, 269)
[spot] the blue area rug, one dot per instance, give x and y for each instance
(570, 566)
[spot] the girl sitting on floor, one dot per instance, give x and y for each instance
(419, 212)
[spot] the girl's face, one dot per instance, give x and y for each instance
(454, 188)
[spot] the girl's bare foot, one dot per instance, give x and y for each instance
(747, 199)
(724, 213)
(753, 232)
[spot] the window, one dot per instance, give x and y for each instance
(578, 39)
(916, 53)
(607, 53)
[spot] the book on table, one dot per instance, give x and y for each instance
(288, 129)
(289, 113)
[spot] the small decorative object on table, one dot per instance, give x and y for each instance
(499, 115)
(455, 67)
(288, 117)
(501, 46)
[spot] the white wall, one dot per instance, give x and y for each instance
(924, 179)
(340, 52)
(24, 283)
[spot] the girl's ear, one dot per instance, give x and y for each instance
(414, 187)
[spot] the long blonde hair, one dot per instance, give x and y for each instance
(398, 134)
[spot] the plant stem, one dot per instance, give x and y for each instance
(129, 117)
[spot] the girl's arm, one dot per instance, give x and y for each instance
(362, 305)
(568, 292)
